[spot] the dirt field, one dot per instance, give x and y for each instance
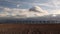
(29, 29)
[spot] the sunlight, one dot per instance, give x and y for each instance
(54, 15)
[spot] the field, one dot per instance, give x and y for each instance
(29, 28)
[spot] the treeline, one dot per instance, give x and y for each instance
(29, 22)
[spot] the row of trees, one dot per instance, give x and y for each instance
(28, 22)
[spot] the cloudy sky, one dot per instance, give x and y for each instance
(13, 7)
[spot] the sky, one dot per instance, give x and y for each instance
(13, 7)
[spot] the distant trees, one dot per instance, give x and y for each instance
(30, 21)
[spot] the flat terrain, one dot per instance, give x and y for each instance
(29, 28)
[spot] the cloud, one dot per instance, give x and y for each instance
(40, 7)
(12, 7)
(45, 4)
(56, 3)
(51, 4)
(55, 11)
(36, 9)
(15, 12)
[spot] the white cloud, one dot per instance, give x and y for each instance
(36, 9)
(55, 11)
(56, 3)
(18, 5)
(48, 3)
(23, 12)
(44, 4)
